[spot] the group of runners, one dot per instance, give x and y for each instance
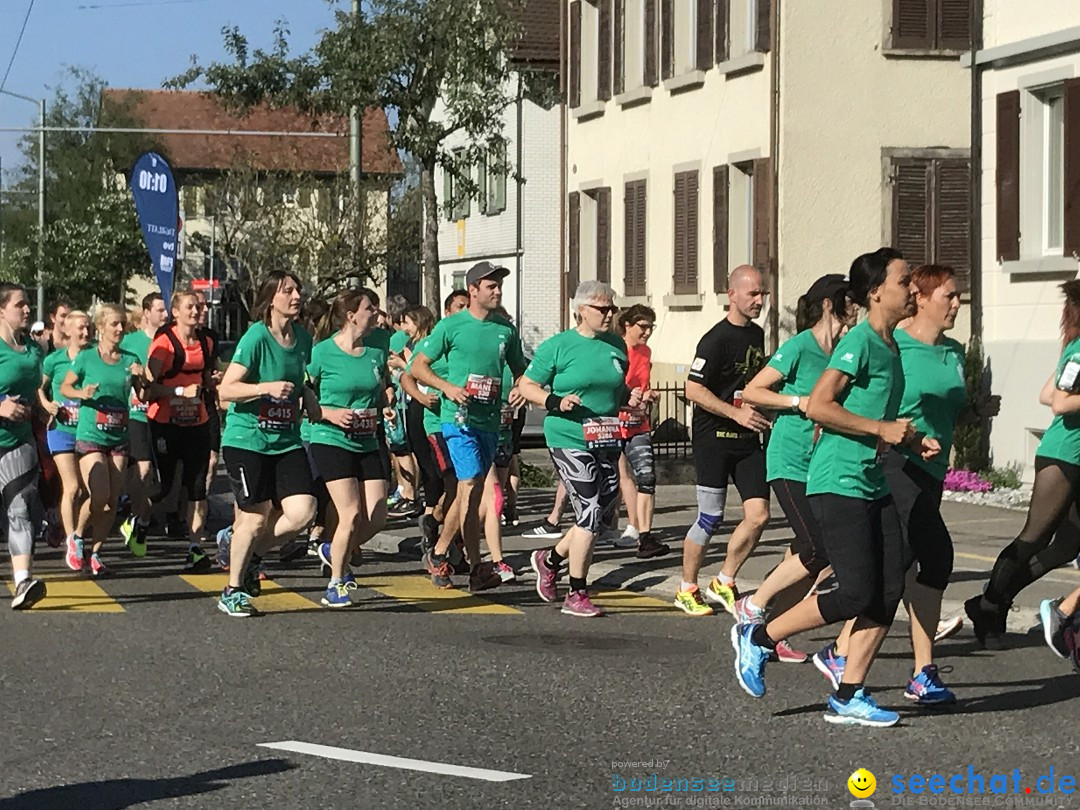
(850, 423)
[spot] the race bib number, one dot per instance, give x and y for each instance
(506, 416)
(68, 415)
(277, 414)
(632, 422)
(112, 420)
(184, 411)
(602, 433)
(365, 424)
(137, 405)
(1069, 374)
(483, 389)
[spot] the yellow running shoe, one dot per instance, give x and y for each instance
(691, 603)
(720, 594)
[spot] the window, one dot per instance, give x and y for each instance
(740, 214)
(1053, 172)
(941, 25)
(629, 38)
(686, 30)
(585, 51)
(491, 181)
(590, 235)
(747, 27)
(634, 233)
(686, 233)
(455, 200)
(191, 201)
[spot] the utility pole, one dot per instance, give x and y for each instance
(356, 168)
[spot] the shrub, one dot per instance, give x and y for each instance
(535, 477)
(966, 481)
(1004, 477)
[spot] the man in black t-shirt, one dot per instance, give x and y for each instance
(727, 443)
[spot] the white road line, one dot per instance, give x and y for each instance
(366, 757)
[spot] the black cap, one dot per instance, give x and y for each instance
(826, 287)
(482, 270)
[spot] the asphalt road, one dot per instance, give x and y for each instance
(165, 702)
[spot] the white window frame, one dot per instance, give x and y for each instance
(1049, 187)
(1035, 185)
(741, 220)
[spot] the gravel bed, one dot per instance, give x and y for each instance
(1003, 498)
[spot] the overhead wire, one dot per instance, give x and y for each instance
(18, 42)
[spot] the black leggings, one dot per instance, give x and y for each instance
(186, 445)
(807, 544)
(1048, 539)
(430, 479)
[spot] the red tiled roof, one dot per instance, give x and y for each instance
(187, 109)
(539, 43)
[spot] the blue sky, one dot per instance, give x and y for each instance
(131, 43)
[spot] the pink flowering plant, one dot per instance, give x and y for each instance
(966, 481)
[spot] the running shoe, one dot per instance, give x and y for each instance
(510, 518)
(349, 581)
(748, 613)
(73, 556)
(224, 542)
(324, 554)
(628, 539)
(545, 531)
(28, 593)
(292, 551)
(402, 509)
(577, 603)
(649, 547)
(484, 577)
(253, 577)
(1054, 623)
(946, 628)
(127, 530)
(197, 562)
(429, 533)
(721, 594)
(336, 596)
(786, 654)
(545, 575)
(440, 570)
(611, 537)
(926, 688)
(54, 535)
(988, 625)
(97, 567)
(236, 604)
(313, 546)
(830, 664)
(750, 660)
(505, 572)
(861, 710)
(691, 603)
(394, 497)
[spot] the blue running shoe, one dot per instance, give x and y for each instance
(324, 554)
(861, 710)
(224, 543)
(349, 581)
(831, 665)
(750, 660)
(336, 596)
(926, 688)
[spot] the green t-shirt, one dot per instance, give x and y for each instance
(346, 381)
(138, 343)
(854, 465)
(476, 352)
(506, 414)
(398, 341)
(53, 371)
(20, 377)
(594, 369)
(800, 362)
(103, 420)
(934, 394)
(432, 419)
(379, 339)
(1062, 438)
(267, 425)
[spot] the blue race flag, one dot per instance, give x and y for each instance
(157, 203)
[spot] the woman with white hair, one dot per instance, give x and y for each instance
(585, 369)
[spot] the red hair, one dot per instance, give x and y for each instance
(1070, 313)
(928, 277)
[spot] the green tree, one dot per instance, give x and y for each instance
(403, 56)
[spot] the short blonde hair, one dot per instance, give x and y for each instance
(101, 313)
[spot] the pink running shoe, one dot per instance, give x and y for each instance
(74, 553)
(545, 576)
(746, 613)
(577, 603)
(97, 567)
(786, 654)
(505, 572)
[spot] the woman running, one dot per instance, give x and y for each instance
(178, 371)
(822, 316)
(268, 468)
(1037, 550)
(350, 381)
(417, 324)
(20, 378)
(856, 402)
(64, 415)
(101, 379)
(585, 368)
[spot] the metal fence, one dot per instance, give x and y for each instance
(671, 419)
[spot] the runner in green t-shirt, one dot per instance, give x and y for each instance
(265, 459)
(350, 380)
(476, 344)
(101, 378)
(856, 403)
(585, 370)
(20, 379)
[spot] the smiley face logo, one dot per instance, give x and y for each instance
(862, 784)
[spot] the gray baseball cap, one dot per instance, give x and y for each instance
(482, 270)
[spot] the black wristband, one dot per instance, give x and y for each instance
(553, 402)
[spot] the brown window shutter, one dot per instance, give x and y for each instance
(1008, 175)
(762, 215)
(720, 15)
(603, 235)
(618, 48)
(1071, 236)
(574, 88)
(634, 239)
(764, 26)
(679, 257)
(692, 232)
(952, 218)
(667, 38)
(573, 273)
(704, 44)
(651, 68)
(913, 23)
(603, 50)
(912, 210)
(640, 240)
(720, 228)
(954, 25)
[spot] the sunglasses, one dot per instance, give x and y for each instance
(608, 310)
(645, 326)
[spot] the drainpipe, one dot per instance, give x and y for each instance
(774, 175)
(563, 68)
(976, 172)
(519, 175)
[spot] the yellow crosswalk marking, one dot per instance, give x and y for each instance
(630, 602)
(273, 599)
(419, 592)
(73, 592)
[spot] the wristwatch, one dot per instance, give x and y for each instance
(795, 401)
